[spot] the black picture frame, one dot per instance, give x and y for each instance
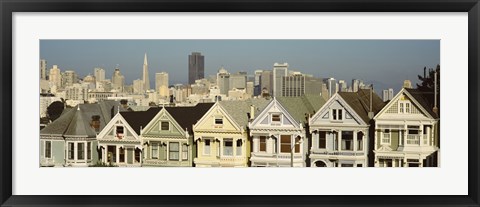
(9, 6)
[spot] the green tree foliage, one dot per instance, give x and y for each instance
(55, 110)
(427, 83)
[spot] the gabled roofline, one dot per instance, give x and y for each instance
(268, 107)
(396, 97)
(217, 104)
(112, 121)
(157, 116)
(329, 102)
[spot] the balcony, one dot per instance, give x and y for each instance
(413, 139)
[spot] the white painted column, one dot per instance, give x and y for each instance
(420, 135)
(355, 148)
(234, 146)
(117, 155)
(404, 135)
(339, 140)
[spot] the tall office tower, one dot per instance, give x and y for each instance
(407, 84)
(138, 86)
(293, 85)
(118, 80)
(279, 70)
(387, 94)
(161, 84)
(313, 86)
(70, 77)
(332, 86)
(196, 67)
(99, 74)
(342, 85)
(145, 77)
(43, 69)
(250, 87)
(355, 85)
(223, 81)
(55, 76)
(266, 81)
(238, 81)
(256, 82)
(390, 93)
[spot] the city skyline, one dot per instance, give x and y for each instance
(385, 63)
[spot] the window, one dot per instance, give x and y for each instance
(413, 129)
(322, 141)
(137, 155)
(48, 149)
(206, 148)
(386, 137)
(407, 108)
(401, 108)
(359, 165)
(359, 141)
(71, 151)
(347, 140)
(347, 165)
(164, 126)
(81, 151)
(275, 146)
(275, 117)
(218, 121)
(155, 151)
(228, 147)
(239, 147)
(119, 132)
(263, 143)
(404, 107)
(385, 162)
(184, 152)
(337, 114)
(174, 151)
(89, 150)
(121, 154)
(285, 143)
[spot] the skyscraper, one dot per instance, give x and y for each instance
(266, 81)
(55, 76)
(43, 69)
(161, 84)
(293, 85)
(332, 86)
(70, 77)
(223, 81)
(387, 94)
(145, 77)
(99, 74)
(118, 80)
(196, 67)
(355, 85)
(279, 70)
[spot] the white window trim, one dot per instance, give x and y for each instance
(389, 140)
(45, 149)
(223, 147)
(336, 115)
(215, 122)
(160, 125)
(404, 103)
(276, 123)
(158, 151)
(204, 147)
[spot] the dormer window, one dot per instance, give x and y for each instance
(404, 107)
(164, 126)
(119, 132)
(337, 114)
(219, 121)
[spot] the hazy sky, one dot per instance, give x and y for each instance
(385, 63)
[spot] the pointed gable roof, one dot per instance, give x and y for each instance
(239, 109)
(425, 99)
(360, 102)
(140, 119)
(298, 107)
(186, 117)
(76, 121)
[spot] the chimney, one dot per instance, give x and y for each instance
(370, 113)
(435, 109)
(252, 111)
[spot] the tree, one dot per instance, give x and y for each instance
(427, 83)
(55, 110)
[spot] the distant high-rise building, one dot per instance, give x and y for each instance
(332, 86)
(55, 76)
(138, 86)
(118, 80)
(70, 77)
(355, 85)
(293, 85)
(250, 88)
(256, 83)
(387, 94)
(266, 82)
(313, 86)
(161, 84)
(145, 77)
(238, 81)
(196, 67)
(407, 84)
(342, 85)
(43, 69)
(223, 81)
(99, 74)
(279, 70)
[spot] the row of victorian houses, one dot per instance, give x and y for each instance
(351, 129)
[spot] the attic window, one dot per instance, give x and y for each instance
(218, 121)
(119, 132)
(275, 117)
(404, 107)
(164, 126)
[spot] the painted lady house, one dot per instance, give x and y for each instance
(71, 139)
(221, 134)
(341, 129)
(119, 143)
(168, 138)
(407, 131)
(278, 133)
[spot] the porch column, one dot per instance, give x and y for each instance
(429, 141)
(234, 146)
(355, 147)
(404, 135)
(339, 140)
(421, 135)
(117, 155)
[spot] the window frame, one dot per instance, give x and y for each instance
(161, 125)
(152, 155)
(337, 115)
(205, 147)
(264, 143)
(383, 132)
(48, 154)
(285, 143)
(404, 107)
(81, 156)
(275, 122)
(71, 150)
(184, 151)
(170, 151)
(224, 147)
(324, 139)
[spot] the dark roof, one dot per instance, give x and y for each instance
(139, 119)
(360, 102)
(76, 121)
(186, 117)
(425, 99)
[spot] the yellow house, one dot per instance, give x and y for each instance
(221, 134)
